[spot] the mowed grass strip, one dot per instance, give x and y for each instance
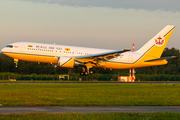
(89, 94)
(92, 116)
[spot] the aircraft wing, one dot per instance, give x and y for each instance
(101, 56)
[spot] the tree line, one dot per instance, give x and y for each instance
(25, 68)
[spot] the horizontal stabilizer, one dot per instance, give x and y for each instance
(162, 58)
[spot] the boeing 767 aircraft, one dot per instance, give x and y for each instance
(69, 56)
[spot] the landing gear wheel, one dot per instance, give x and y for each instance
(81, 73)
(91, 72)
(86, 73)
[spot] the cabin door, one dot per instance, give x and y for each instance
(130, 58)
(22, 48)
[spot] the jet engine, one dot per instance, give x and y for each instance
(65, 62)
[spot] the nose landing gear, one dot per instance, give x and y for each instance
(16, 62)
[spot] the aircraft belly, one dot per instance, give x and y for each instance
(114, 65)
(33, 58)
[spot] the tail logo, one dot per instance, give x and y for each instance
(159, 41)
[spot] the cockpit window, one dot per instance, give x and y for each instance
(10, 46)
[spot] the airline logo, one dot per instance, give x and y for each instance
(159, 41)
(30, 45)
(67, 49)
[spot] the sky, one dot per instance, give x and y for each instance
(109, 24)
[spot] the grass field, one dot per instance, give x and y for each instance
(93, 116)
(89, 94)
(29, 81)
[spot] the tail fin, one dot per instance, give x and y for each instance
(156, 45)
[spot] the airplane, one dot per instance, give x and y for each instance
(70, 56)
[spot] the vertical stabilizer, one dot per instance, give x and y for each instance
(156, 45)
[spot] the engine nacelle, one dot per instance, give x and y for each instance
(65, 62)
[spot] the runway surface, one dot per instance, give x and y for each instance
(89, 109)
(94, 82)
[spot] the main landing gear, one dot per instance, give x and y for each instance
(86, 73)
(85, 70)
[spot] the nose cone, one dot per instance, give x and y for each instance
(3, 50)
